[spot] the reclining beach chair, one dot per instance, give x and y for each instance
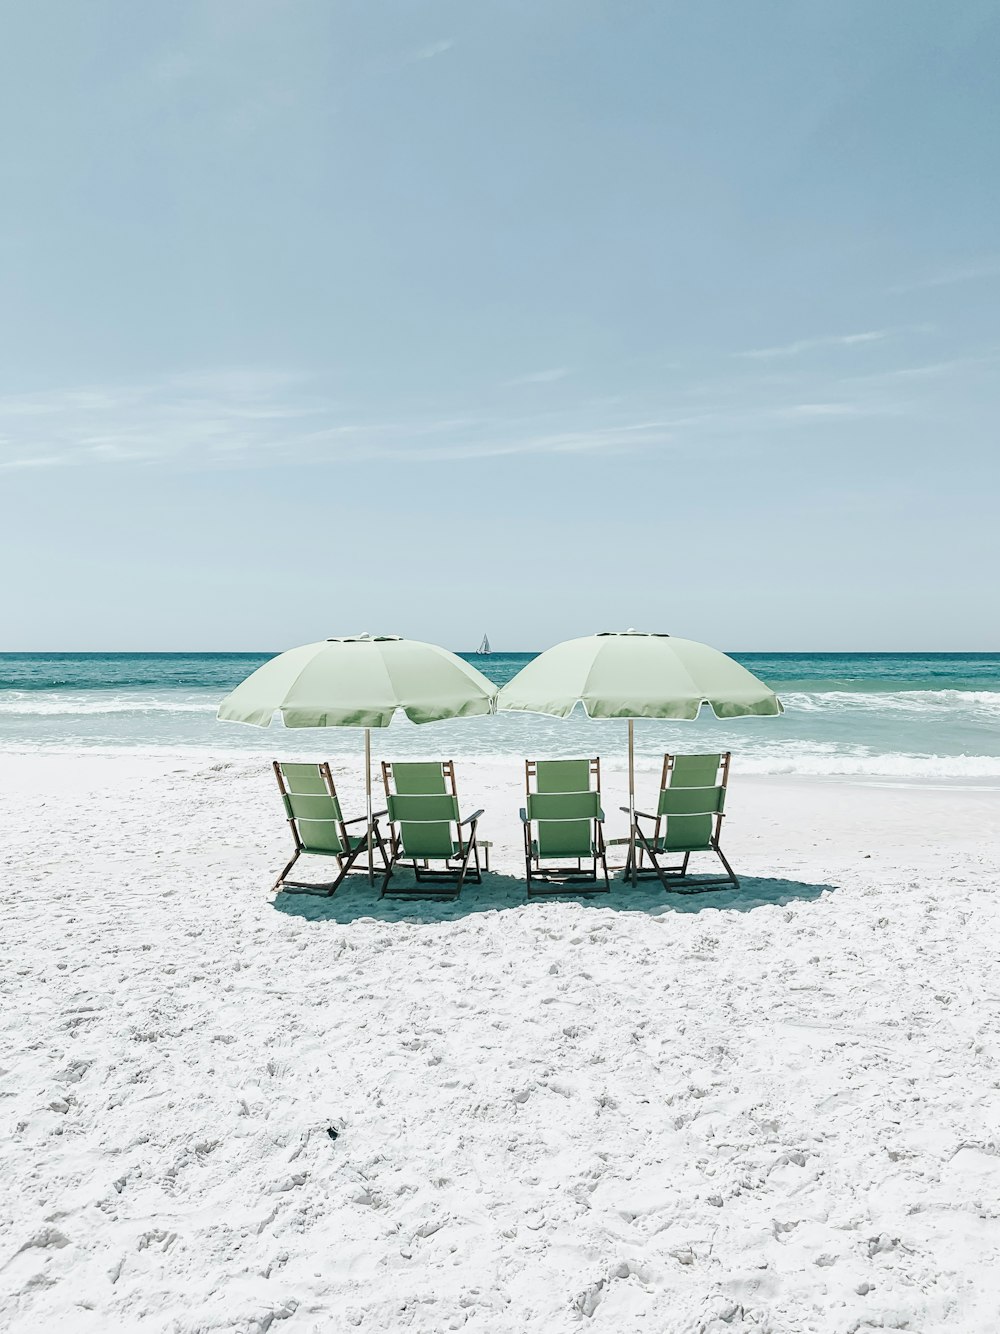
(562, 821)
(426, 827)
(688, 819)
(318, 827)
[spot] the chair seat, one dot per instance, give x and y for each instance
(353, 841)
(457, 851)
(661, 845)
(589, 851)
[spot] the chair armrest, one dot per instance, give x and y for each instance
(471, 819)
(524, 815)
(363, 819)
(600, 815)
(642, 815)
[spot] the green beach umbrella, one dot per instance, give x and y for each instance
(631, 675)
(360, 681)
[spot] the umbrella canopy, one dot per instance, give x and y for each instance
(360, 681)
(637, 675)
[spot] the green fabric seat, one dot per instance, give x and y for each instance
(562, 821)
(589, 850)
(688, 819)
(312, 809)
(427, 826)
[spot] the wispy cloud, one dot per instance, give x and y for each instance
(246, 418)
(929, 370)
(172, 68)
(981, 269)
(252, 418)
(429, 51)
(541, 377)
(809, 344)
(818, 411)
(39, 461)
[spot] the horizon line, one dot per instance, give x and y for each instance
(494, 653)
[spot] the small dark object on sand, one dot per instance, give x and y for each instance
(332, 1132)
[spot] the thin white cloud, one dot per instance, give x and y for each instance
(41, 461)
(808, 344)
(429, 52)
(981, 269)
(818, 411)
(541, 377)
(245, 419)
(929, 370)
(172, 68)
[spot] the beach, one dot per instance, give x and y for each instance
(590, 405)
(770, 1110)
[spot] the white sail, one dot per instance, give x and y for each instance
(484, 647)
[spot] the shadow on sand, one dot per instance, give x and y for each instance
(357, 899)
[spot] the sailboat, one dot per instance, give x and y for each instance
(484, 648)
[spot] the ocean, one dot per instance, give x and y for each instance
(905, 717)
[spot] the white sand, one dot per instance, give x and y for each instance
(775, 1111)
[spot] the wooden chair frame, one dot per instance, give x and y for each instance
(676, 878)
(455, 872)
(565, 879)
(345, 861)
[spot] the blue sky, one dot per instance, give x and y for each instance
(535, 318)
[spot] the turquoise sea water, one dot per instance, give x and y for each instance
(902, 716)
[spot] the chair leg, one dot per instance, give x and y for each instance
(278, 883)
(647, 849)
(465, 865)
(388, 874)
(732, 874)
(678, 882)
(381, 845)
(346, 866)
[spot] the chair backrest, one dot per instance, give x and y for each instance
(564, 822)
(422, 797)
(425, 824)
(563, 775)
(692, 800)
(421, 777)
(563, 803)
(312, 807)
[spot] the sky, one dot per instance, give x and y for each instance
(534, 317)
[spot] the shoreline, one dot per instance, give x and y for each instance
(612, 762)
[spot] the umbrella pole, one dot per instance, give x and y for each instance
(631, 801)
(368, 798)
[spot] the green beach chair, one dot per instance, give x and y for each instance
(688, 819)
(312, 809)
(426, 827)
(562, 820)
